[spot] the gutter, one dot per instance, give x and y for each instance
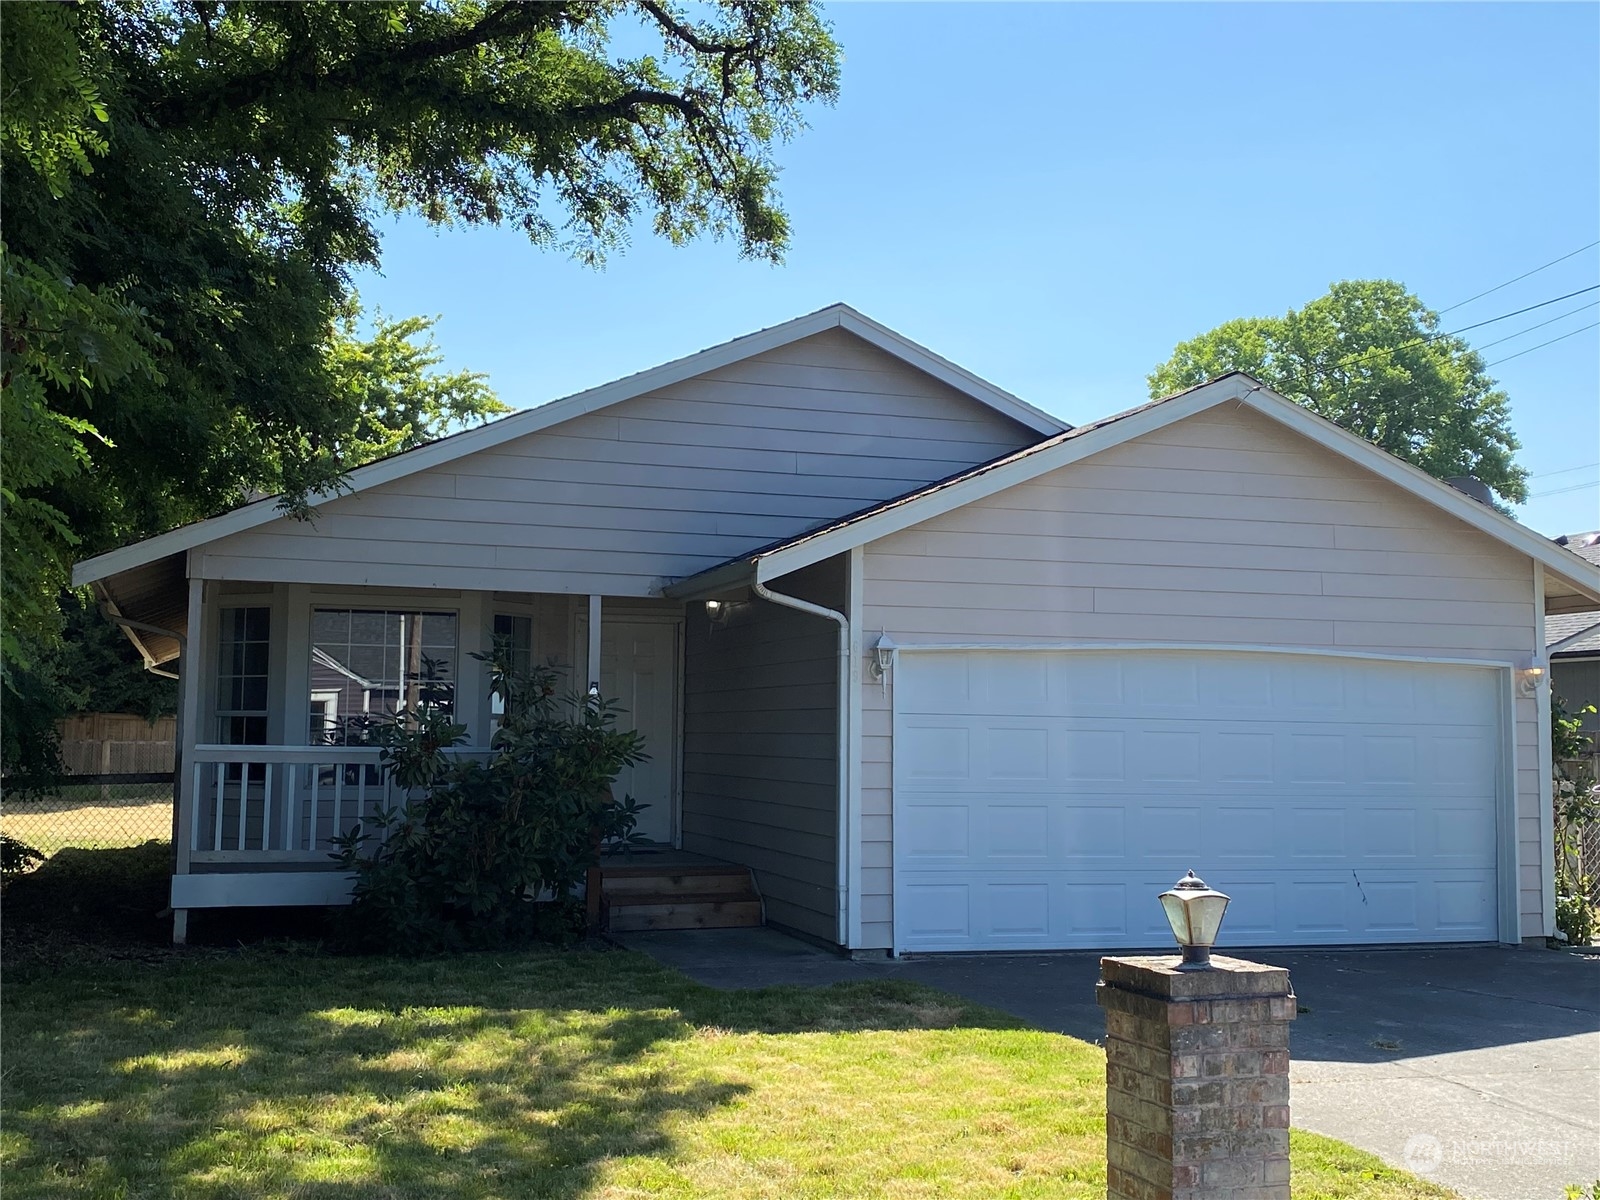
(130, 626)
(842, 754)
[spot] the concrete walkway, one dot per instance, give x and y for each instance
(1476, 1068)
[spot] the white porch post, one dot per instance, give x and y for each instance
(594, 645)
(191, 686)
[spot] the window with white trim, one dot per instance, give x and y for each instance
(243, 649)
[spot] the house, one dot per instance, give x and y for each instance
(1572, 642)
(941, 672)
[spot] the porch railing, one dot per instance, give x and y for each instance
(282, 803)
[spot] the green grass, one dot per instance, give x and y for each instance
(88, 816)
(579, 1074)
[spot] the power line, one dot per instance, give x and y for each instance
(1519, 278)
(1562, 491)
(1565, 471)
(1518, 312)
(1542, 345)
(1356, 359)
(1508, 337)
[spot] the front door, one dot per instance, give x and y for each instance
(639, 671)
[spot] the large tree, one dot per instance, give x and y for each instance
(190, 184)
(1370, 356)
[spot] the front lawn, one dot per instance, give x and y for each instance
(582, 1074)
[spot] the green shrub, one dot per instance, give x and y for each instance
(490, 852)
(1577, 805)
(16, 858)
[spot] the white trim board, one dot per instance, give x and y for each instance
(1077, 445)
(257, 889)
(1502, 662)
(532, 420)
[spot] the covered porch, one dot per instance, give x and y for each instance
(282, 684)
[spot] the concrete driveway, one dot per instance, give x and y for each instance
(1476, 1068)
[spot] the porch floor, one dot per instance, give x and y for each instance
(658, 858)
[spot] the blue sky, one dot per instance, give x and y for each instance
(1055, 195)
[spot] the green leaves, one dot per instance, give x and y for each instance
(52, 113)
(479, 842)
(1369, 356)
(190, 185)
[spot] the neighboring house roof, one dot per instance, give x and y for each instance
(1576, 580)
(1578, 633)
(532, 420)
(319, 655)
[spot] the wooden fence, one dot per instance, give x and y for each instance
(117, 743)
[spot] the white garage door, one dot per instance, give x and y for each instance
(1044, 798)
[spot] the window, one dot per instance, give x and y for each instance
(516, 635)
(242, 654)
(368, 664)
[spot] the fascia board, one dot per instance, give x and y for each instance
(534, 420)
(1562, 563)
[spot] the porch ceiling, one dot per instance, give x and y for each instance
(156, 594)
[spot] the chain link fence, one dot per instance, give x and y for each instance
(98, 864)
(1584, 772)
(89, 812)
(1589, 858)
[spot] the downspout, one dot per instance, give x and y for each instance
(842, 835)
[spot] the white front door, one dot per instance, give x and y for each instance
(1043, 799)
(639, 671)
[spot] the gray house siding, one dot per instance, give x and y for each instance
(1222, 529)
(659, 487)
(761, 720)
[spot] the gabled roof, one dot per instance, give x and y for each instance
(1578, 579)
(1572, 635)
(532, 420)
(1576, 633)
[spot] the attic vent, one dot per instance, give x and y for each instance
(1471, 485)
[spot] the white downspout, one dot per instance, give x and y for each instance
(842, 855)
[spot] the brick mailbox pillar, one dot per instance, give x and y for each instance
(1197, 1079)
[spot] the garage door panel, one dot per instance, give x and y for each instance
(1039, 796)
(1104, 910)
(1134, 829)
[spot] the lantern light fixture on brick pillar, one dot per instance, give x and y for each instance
(1195, 913)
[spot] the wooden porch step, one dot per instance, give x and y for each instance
(683, 911)
(678, 895)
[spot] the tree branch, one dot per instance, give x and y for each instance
(686, 34)
(507, 19)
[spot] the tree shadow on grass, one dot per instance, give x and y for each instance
(104, 896)
(361, 1094)
(291, 1073)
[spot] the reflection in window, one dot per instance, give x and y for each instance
(367, 665)
(513, 636)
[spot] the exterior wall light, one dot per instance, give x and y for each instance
(719, 613)
(1529, 678)
(883, 656)
(1195, 913)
